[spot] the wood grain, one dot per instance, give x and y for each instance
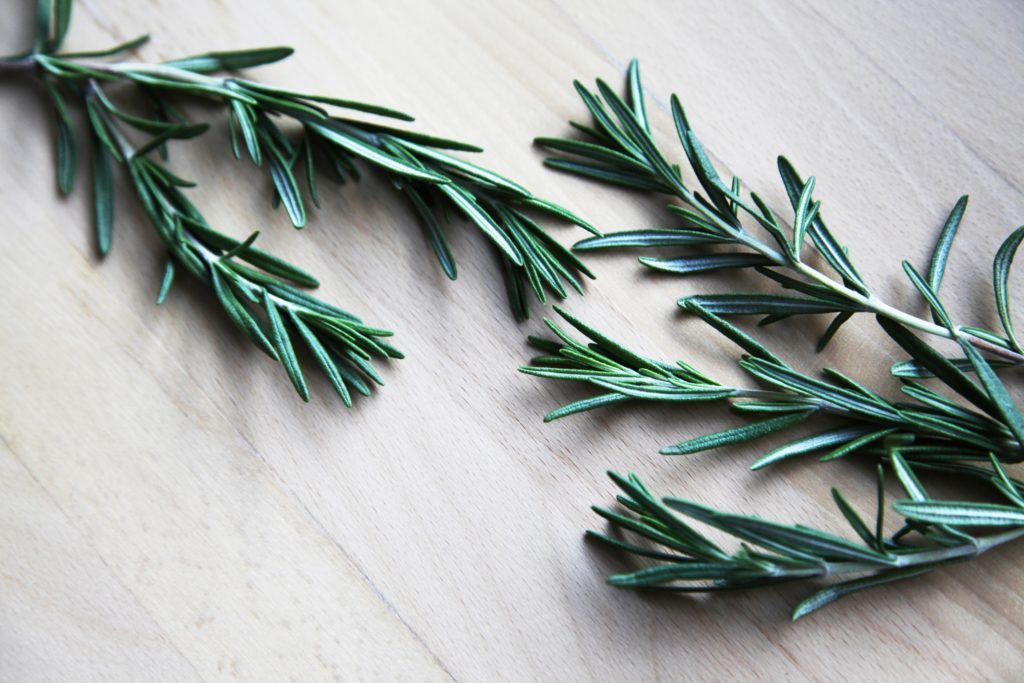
(172, 511)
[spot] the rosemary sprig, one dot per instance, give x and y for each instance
(295, 137)
(772, 553)
(619, 149)
(963, 429)
(929, 425)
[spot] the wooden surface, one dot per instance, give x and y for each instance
(170, 510)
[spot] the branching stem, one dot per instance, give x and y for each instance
(868, 302)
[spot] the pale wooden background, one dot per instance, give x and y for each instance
(172, 511)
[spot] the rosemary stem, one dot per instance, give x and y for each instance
(17, 64)
(812, 402)
(879, 307)
(868, 302)
(994, 349)
(170, 72)
(937, 556)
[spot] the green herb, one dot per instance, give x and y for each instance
(620, 150)
(298, 139)
(772, 553)
(780, 397)
(964, 429)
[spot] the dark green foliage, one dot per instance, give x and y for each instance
(620, 149)
(297, 137)
(770, 553)
(963, 426)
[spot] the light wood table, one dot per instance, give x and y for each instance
(170, 510)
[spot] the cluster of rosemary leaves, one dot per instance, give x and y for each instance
(298, 141)
(956, 419)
